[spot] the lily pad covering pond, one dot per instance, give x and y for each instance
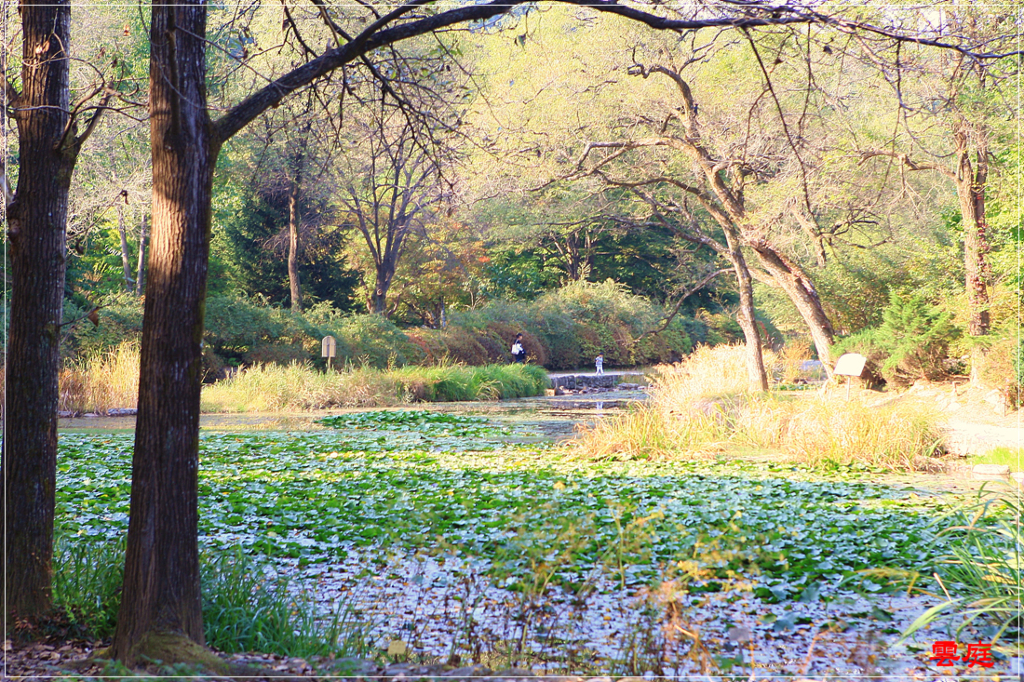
(528, 520)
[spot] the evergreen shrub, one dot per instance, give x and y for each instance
(911, 343)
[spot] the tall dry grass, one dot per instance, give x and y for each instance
(104, 381)
(272, 388)
(709, 372)
(688, 412)
(831, 431)
(791, 359)
(702, 405)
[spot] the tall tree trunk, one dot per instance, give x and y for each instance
(379, 300)
(140, 271)
(755, 360)
(160, 611)
(37, 223)
(293, 243)
(125, 259)
(800, 290)
(971, 180)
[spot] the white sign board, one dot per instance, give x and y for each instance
(328, 347)
(850, 365)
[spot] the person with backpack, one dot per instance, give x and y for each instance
(518, 352)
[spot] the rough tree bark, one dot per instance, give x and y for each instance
(798, 286)
(160, 605)
(971, 179)
(37, 219)
(385, 272)
(293, 243)
(758, 378)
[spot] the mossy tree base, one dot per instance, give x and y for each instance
(170, 648)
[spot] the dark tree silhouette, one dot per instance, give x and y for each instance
(49, 142)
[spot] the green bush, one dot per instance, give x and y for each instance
(911, 343)
(454, 343)
(120, 319)
(563, 329)
(374, 340)
(568, 327)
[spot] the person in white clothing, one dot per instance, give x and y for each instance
(599, 362)
(517, 350)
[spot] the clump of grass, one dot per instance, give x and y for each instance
(269, 388)
(243, 610)
(103, 381)
(792, 358)
(691, 409)
(710, 371)
(702, 405)
(831, 431)
(87, 577)
(648, 433)
(272, 388)
(981, 578)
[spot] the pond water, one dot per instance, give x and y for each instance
(555, 417)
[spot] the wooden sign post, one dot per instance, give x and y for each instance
(850, 365)
(328, 349)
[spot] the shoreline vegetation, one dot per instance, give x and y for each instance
(111, 382)
(268, 388)
(700, 408)
(250, 347)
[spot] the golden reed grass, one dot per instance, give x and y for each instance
(105, 381)
(703, 405)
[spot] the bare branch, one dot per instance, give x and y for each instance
(380, 34)
(906, 161)
(94, 119)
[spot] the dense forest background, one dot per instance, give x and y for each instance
(533, 175)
